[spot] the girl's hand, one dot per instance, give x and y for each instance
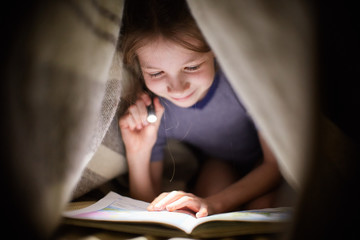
(136, 131)
(179, 201)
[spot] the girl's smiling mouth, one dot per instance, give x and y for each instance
(182, 99)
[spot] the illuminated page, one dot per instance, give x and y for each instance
(116, 208)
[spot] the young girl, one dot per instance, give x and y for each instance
(166, 54)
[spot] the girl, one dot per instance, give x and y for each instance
(166, 54)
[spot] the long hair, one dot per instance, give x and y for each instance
(145, 21)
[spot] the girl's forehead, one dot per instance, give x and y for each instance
(161, 50)
(158, 44)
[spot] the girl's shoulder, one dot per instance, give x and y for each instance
(225, 88)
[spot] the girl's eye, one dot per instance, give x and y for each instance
(155, 75)
(192, 68)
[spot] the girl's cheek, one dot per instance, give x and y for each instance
(156, 87)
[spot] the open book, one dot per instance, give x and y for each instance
(119, 213)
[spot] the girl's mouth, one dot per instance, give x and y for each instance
(182, 99)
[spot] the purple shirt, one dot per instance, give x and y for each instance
(218, 126)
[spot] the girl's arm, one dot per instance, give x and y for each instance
(144, 176)
(139, 137)
(257, 183)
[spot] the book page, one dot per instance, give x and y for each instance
(116, 208)
(117, 200)
(281, 214)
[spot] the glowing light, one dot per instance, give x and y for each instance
(151, 118)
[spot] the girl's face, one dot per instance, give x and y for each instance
(178, 74)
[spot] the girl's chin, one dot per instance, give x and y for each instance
(183, 104)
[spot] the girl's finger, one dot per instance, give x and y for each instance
(203, 212)
(131, 122)
(189, 202)
(142, 111)
(134, 112)
(139, 113)
(123, 122)
(171, 197)
(159, 109)
(156, 200)
(126, 122)
(146, 98)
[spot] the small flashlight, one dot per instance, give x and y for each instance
(151, 118)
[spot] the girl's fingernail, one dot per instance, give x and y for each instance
(170, 209)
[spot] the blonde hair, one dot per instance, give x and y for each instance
(146, 21)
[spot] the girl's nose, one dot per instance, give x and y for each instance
(178, 85)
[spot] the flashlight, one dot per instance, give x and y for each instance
(151, 118)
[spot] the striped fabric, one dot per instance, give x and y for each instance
(63, 81)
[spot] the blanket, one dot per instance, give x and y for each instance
(63, 87)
